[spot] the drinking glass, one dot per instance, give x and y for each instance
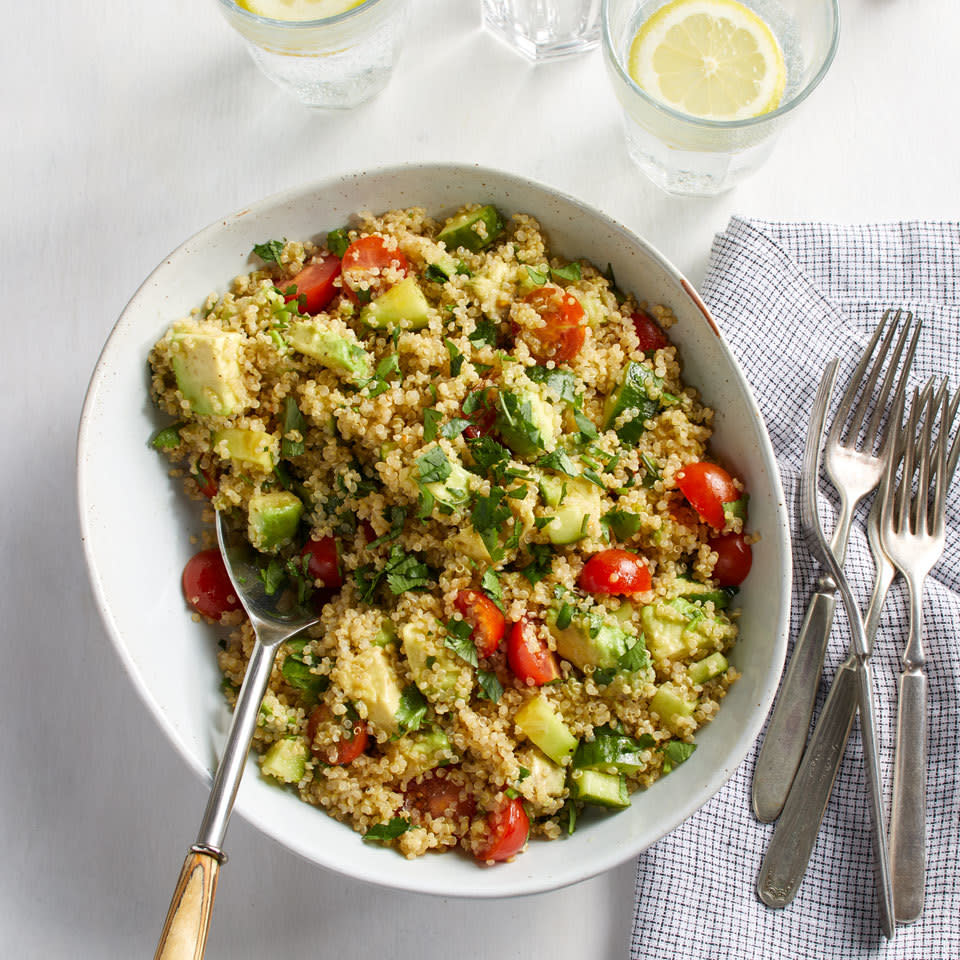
(545, 29)
(336, 62)
(690, 156)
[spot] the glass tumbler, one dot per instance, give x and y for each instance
(544, 29)
(692, 156)
(336, 62)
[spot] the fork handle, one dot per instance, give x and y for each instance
(786, 735)
(909, 811)
(185, 931)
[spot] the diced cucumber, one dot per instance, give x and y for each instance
(720, 597)
(609, 749)
(286, 760)
(544, 779)
(640, 390)
(474, 230)
(601, 789)
(671, 704)
(708, 668)
(402, 307)
(582, 501)
(737, 508)
(540, 723)
(254, 447)
(273, 519)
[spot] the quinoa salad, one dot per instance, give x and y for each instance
(479, 463)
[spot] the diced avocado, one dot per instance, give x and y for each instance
(610, 751)
(438, 672)
(402, 307)
(708, 668)
(590, 639)
(338, 352)
(386, 633)
(254, 447)
(369, 677)
(624, 613)
(272, 519)
(693, 590)
(207, 363)
(455, 489)
(473, 230)
(679, 629)
(544, 778)
(670, 703)
(425, 749)
(639, 390)
(286, 760)
(540, 723)
(582, 501)
(601, 789)
(526, 422)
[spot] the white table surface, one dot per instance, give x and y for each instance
(125, 128)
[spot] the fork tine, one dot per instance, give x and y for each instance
(901, 517)
(945, 465)
(881, 404)
(954, 454)
(920, 519)
(849, 395)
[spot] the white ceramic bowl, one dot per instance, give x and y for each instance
(125, 497)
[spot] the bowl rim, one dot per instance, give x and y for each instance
(516, 883)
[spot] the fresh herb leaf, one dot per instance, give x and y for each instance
(594, 478)
(487, 454)
(463, 270)
(485, 334)
(636, 658)
(564, 616)
(488, 516)
(435, 273)
(168, 437)
(434, 466)
(490, 583)
(585, 425)
(570, 273)
(431, 418)
(536, 276)
(269, 251)
(412, 709)
(539, 567)
(604, 675)
(458, 640)
(425, 504)
(608, 273)
(338, 241)
(490, 688)
(273, 575)
(398, 516)
(562, 382)
(675, 752)
(622, 523)
(453, 428)
(405, 572)
(456, 358)
(299, 676)
(292, 420)
(523, 774)
(388, 831)
(518, 493)
(571, 809)
(560, 461)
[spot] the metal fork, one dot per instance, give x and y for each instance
(855, 470)
(913, 533)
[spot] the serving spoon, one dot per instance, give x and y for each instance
(275, 618)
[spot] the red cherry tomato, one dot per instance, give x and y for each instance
(438, 796)
(207, 482)
(485, 617)
(343, 751)
(206, 585)
(507, 832)
(707, 487)
(562, 334)
(530, 659)
(482, 416)
(734, 559)
(315, 282)
(366, 528)
(649, 334)
(365, 260)
(618, 573)
(324, 562)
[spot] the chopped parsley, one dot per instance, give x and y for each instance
(398, 516)
(614, 289)
(435, 273)
(653, 474)
(675, 752)
(490, 583)
(560, 461)
(434, 466)
(537, 276)
(386, 368)
(636, 658)
(453, 428)
(488, 455)
(431, 418)
(485, 334)
(562, 382)
(594, 478)
(622, 523)
(458, 640)
(269, 251)
(292, 420)
(273, 575)
(168, 437)
(403, 571)
(564, 616)
(570, 273)
(412, 709)
(539, 567)
(337, 242)
(585, 425)
(490, 688)
(388, 831)
(488, 516)
(456, 358)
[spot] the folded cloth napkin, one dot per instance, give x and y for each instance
(788, 297)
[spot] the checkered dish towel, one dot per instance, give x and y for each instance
(788, 297)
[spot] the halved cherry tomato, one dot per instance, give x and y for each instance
(343, 751)
(649, 334)
(482, 416)
(206, 585)
(365, 259)
(618, 573)
(315, 282)
(708, 487)
(366, 528)
(488, 623)
(507, 832)
(324, 562)
(439, 796)
(207, 482)
(529, 658)
(562, 334)
(734, 559)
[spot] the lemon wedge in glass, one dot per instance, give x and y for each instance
(298, 9)
(714, 59)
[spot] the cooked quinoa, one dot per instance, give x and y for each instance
(431, 438)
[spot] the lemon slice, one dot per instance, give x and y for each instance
(298, 9)
(715, 59)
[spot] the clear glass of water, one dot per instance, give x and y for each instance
(336, 62)
(544, 29)
(692, 156)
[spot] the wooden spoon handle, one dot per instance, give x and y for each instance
(185, 931)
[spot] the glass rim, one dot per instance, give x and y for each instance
(798, 98)
(234, 7)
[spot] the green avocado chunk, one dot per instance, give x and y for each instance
(208, 368)
(286, 760)
(402, 307)
(473, 230)
(273, 519)
(590, 639)
(525, 421)
(582, 501)
(337, 352)
(540, 723)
